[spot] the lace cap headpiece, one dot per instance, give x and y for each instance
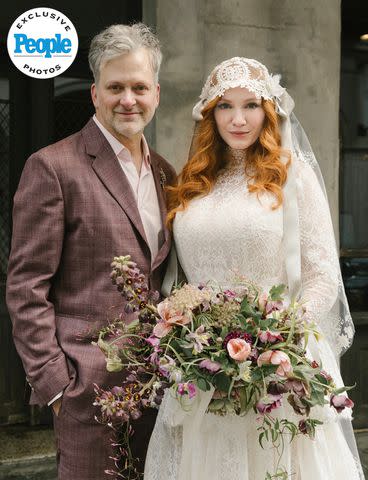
(240, 72)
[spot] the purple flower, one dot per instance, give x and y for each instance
(152, 340)
(297, 386)
(268, 403)
(326, 375)
(154, 358)
(191, 390)
(129, 308)
(187, 388)
(299, 407)
(276, 388)
(166, 365)
(254, 354)
(210, 365)
(303, 427)
(229, 294)
(135, 414)
(117, 391)
(339, 402)
(267, 305)
(154, 296)
(268, 336)
(182, 389)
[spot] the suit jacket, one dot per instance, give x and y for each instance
(74, 210)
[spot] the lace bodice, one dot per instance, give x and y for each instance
(232, 230)
(229, 231)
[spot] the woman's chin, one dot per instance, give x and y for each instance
(238, 144)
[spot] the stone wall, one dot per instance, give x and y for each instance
(299, 39)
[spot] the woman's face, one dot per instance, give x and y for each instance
(239, 117)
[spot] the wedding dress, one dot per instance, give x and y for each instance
(230, 231)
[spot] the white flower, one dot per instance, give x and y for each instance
(175, 375)
(198, 339)
(274, 87)
(113, 363)
(244, 371)
(156, 386)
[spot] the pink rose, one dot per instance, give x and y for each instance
(169, 318)
(276, 357)
(238, 349)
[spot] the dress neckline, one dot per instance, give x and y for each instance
(234, 158)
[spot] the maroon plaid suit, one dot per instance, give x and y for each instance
(73, 211)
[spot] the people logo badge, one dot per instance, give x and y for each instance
(42, 43)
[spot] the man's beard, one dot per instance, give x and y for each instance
(128, 129)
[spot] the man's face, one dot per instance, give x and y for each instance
(126, 95)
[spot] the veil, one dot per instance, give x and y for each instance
(338, 326)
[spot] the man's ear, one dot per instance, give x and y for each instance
(158, 94)
(94, 94)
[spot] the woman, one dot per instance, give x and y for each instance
(250, 200)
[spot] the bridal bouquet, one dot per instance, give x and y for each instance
(249, 345)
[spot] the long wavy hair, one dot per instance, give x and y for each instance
(207, 156)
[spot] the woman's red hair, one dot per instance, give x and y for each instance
(207, 157)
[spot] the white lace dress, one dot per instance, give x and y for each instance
(232, 230)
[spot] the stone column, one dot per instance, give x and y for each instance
(300, 40)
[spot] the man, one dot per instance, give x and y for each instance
(94, 195)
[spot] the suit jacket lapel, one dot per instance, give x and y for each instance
(107, 168)
(159, 177)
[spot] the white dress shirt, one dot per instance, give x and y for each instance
(143, 187)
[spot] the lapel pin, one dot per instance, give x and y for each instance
(162, 178)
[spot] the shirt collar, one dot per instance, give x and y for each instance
(119, 147)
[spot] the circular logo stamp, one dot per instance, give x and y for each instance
(42, 43)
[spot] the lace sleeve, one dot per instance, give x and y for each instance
(320, 269)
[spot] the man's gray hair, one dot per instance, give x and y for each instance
(119, 39)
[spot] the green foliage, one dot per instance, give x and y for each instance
(224, 332)
(222, 382)
(203, 384)
(203, 318)
(217, 405)
(259, 373)
(249, 310)
(276, 292)
(276, 432)
(337, 391)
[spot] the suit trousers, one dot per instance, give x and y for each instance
(84, 449)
